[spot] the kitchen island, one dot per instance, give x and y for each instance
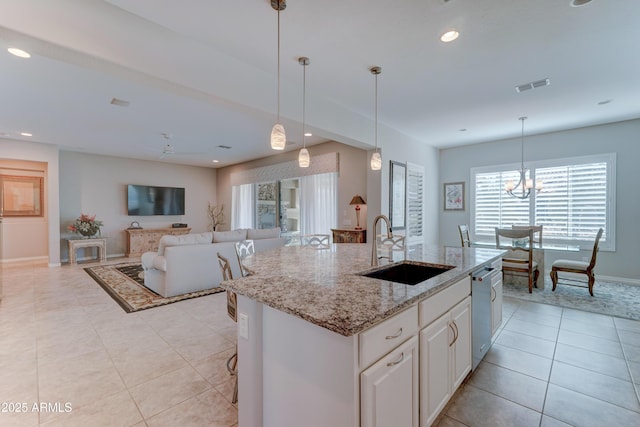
(308, 326)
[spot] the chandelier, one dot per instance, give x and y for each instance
(522, 188)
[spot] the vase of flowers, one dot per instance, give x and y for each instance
(86, 225)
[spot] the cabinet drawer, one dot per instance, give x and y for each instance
(382, 338)
(438, 304)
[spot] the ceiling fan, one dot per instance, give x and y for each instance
(170, 150)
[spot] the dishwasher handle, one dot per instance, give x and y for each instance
(482, 274)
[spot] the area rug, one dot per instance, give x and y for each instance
(610, 298)
(125, 284)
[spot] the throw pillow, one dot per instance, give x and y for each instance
(229, 236)
(265, 233)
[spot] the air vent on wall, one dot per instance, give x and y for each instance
(533, 85)
(226, 147)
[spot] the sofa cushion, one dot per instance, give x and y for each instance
(183, 239)
(265, 233)
(230, 236)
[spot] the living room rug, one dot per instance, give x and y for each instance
(610, 298)
(125, 284)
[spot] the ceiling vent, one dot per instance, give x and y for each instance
(120, 102)
(533, 85)
(226, 147)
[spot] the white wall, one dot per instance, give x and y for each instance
(96, 184)
(16, 245)
(620, 138)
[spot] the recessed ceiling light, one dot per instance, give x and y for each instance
(308, 134)
(19, 52)
(606, 101)
(578, 3)
(26, 134)
(449, 36)
(215, 161)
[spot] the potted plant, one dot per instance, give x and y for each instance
(86, 225)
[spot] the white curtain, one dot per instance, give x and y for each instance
(318, 203)
(242, 206)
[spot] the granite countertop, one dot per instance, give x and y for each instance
(324, 286)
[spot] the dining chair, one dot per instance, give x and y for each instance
(520, 241)
(316, 241)
(537, 229)
(245, 249)
(232, 311)
(465, 240)
(579, 267)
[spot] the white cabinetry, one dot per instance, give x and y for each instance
(496, 306)
(389, 389)
(445, 347)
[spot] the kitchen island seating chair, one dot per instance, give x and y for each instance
(232, 311)
(465, 240)
(521, 241)
(577, 267)
(316, 241)
(537, 229)
(245, 249)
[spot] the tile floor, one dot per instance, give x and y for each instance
(64, 341)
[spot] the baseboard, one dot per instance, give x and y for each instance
(27, 260)
(109, 256)
(625, 280)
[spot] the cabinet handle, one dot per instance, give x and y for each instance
(494, 295)
(454, 334)
(457, 332)
(397, 361)
(390, 337)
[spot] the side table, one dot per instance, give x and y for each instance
(349, 235)
(97, 242)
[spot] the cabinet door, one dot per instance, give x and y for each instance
(389, 389)
(435, 368)
(461, 349)
(496, 306)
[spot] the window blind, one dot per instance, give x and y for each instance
(415, 192)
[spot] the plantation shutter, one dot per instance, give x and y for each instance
(415, 195)
(573, 203)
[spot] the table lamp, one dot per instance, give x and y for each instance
(357, 200)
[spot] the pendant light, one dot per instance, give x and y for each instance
(376, 160)
(522, 189)
(303, 157)
(278, 136)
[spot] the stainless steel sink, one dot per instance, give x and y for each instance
(409, 273)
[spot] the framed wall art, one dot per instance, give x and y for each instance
(454, 196)
(397, 195)
(21, 195)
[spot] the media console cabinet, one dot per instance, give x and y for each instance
(141, 240)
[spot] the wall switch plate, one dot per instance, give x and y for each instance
(243, 326)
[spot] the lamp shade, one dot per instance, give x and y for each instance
(278, 137)
(376, 161)
(303, 158)
(357, 200)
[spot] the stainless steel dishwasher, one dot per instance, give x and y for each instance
(483, 280)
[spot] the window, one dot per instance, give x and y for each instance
(577, 198)
(415, 187)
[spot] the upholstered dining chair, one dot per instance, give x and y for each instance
(316, 241)
(245, 249)
(463, 229)
(520, 241)
(579, 267)
(537, 229)
(232, 311)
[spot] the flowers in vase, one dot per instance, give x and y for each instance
(87, 225)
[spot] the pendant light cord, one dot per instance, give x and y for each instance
(522, 119)
(376, 115)
(304, 103)
(279, 61)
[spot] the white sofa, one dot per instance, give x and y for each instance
(189, 262)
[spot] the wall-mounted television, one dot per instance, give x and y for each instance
(150, 200)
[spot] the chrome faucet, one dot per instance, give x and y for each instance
(374, 247)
